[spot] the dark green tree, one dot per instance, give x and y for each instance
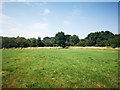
(74, 40)
(39, 42)
(60, 39)
(21, 42)
(82, 42)
(103, 38)
(47, 41)
(53, 41)
(98, 38)
(115, 41)
(33, 42)
(5, 42)
(67, 40)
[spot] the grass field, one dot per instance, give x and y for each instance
(57, 68)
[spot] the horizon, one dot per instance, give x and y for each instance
(52, 36)
(42, 19)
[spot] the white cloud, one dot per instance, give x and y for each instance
(65, 22)
(40, 26)
(44, 19)
(45, 11)
(13, 29)
(76, 12)
(10, 28)
(4, 19)
(39, 29)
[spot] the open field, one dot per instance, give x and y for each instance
(57, 68)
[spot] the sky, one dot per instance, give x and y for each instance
(41, 19)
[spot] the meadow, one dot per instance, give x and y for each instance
(59, 68)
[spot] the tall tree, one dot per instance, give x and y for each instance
(21, 42)
(74, 40)
(60, 39)
(115, 41)
(53, 41)
(82, 42)
(67, 40)
(33, 42)
(39, 42)
(47, 41)
(5, 42)
(99, 38)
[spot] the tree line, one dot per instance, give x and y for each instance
(103, 38)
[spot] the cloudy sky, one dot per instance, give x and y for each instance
(33, 19)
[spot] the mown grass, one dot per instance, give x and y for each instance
(59, 68)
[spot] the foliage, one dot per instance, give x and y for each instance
(39, 42)
(60, 39)
(74, 40)
(47, 41)
(99, 38)
(115, 42)
(67, 40)
(82, 42)
(103, 38)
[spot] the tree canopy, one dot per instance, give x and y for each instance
(103, 38)
(60, 39)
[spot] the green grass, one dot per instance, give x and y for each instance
(57, 68)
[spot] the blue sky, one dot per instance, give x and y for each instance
(33, 19)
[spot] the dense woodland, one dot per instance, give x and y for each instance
(103, 38)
